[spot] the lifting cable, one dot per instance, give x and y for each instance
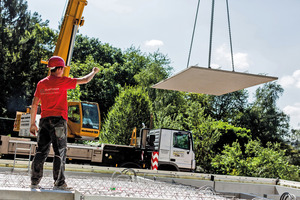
(188, 62)
(230, 40)
(211, 34)
(211, 30)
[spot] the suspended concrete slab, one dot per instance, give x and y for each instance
(211, 81)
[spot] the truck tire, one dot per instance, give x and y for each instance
(130, 165)
(168, 168)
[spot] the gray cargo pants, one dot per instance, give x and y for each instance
(52, 130)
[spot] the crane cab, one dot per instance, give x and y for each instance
(83, 120)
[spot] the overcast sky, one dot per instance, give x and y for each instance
(265, 35)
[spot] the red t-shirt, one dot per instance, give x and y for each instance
(52, 91)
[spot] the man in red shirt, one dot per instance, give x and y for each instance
(52, 93)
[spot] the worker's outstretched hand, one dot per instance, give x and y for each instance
(33, 129)
(96, 70)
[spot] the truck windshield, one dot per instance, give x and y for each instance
(90, 116)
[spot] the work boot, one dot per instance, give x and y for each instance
(61, 187)
(35, 186)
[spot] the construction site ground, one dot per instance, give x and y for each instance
(91, 182)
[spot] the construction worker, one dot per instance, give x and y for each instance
(52, 93)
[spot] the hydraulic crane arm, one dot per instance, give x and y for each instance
(66, 39)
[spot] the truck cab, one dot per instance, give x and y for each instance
(175, 149)
(83, 120)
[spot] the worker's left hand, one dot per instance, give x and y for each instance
(96, 70)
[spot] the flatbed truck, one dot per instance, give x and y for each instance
(173, 150)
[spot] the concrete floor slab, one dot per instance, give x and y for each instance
(211, 81)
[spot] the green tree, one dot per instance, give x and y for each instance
(132, 108)
(256, 161)
(231, 161)
(293, 146)
(265, 120)
(204, 100)
(105, 87)
(210, 135)
(168, 109)
(24, 40)
(102, 53)
(295, 138)
(229, 106)
(154, 67)
(75, 94)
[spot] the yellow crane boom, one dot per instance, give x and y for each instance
(66, 39)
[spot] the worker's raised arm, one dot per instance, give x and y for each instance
(89, 77)
(34, 107)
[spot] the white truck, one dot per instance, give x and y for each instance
(173, 148)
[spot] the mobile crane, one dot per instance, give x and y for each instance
(173, 148)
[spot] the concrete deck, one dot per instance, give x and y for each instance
(95, 182)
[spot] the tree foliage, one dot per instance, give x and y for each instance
(256, 161)
(228, 107)
(265, 120)
(131, 109)
(102, 53)
(24, 40)
(210, 135)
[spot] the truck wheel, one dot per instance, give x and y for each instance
(167, 168)
(130, 165)
(71, 140)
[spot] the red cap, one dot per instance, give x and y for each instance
(56, 61)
